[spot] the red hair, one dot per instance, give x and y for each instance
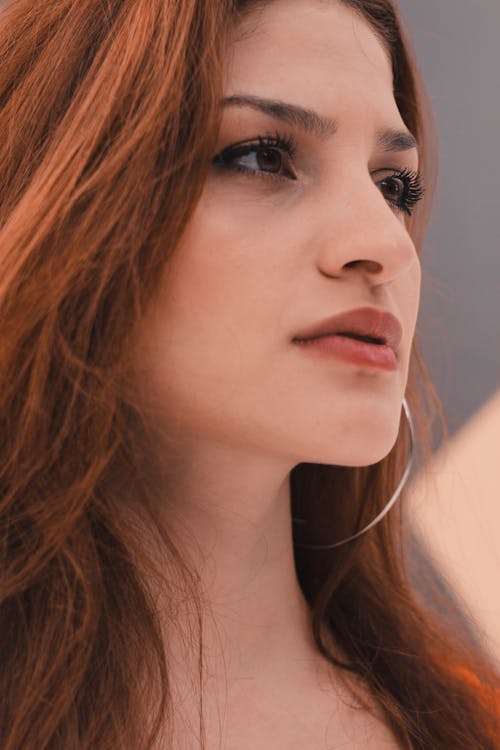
(109, 117)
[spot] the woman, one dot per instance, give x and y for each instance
(191, 191)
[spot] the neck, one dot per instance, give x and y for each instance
(230, 517)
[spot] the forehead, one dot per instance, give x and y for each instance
(321, 51)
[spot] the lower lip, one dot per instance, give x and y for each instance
(352, 350)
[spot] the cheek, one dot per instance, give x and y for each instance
(226, 283)
(206, 283)
(409, 296)
(408, 299)
(416, 280)
(202, 343)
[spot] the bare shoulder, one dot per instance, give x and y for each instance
(320, 712)
(314, 716)
(309, 704)
(317, 721)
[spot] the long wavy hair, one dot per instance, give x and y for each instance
(109, 115)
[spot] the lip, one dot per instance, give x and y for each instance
(363, 321)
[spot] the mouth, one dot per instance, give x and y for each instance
(357, 337)
(356, 349)
(369, 325)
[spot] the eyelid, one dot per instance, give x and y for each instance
(285, 142)
(413, 188)
(296, 145)
(286, 145)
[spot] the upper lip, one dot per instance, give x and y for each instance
(363, 321)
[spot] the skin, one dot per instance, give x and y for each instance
(260, 260)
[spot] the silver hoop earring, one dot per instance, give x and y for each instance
(393, 497)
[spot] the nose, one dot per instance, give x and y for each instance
(364, 234)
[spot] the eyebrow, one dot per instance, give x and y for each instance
(315, 124)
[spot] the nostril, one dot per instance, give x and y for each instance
(371, 266)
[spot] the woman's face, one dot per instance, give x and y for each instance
(279, 242)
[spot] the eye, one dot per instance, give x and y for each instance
(405, 189)
(265, 157)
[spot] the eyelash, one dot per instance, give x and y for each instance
(412, 190)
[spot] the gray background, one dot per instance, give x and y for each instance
(458, 52)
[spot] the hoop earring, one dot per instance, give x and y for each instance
(392, 499)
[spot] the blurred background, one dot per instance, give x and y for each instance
(456, 504)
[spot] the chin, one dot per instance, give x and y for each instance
(369, 441)
(367, 458)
